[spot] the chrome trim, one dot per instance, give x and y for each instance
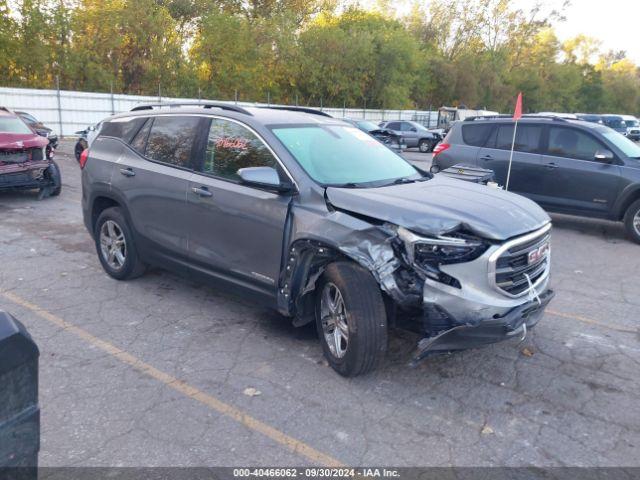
(493, 260)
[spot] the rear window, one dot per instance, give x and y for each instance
(122, 128)
(476, 134)
(527, 138)
(171, 140)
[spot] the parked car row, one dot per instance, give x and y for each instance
(567, 166)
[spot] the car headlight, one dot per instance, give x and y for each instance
(428, 253)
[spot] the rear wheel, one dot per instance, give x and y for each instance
(351, 319)
(632, 221)
(116, 247)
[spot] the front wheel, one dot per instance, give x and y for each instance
(424, 146)
(351, 319)
(632, 221)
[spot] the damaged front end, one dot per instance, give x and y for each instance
(456, 289)
(26, 168)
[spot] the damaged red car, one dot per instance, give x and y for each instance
(23, 158)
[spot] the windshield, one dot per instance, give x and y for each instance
(13, 125)
(629, 148)
(632, 123)
(344, 156)
(368, 126)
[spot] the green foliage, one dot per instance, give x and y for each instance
(479, 53)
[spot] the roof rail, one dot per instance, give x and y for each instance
(203, 104)
(312, 111)
(528, 115)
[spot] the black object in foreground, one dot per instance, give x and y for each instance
(19, 410)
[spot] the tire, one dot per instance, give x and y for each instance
(423, 146)
(78, 150)
(55, 177)
(363, 318)
(632, 221)
(117, 237)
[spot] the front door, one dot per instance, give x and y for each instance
(236, 231)
(574, 181)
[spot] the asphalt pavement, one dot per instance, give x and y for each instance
(165, 371)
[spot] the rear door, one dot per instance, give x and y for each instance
(236, 231)
(153, 176)
(574, 181)
(526, 170)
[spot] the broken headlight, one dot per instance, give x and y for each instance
(428, 253)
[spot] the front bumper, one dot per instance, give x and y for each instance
(477, 311)
(514, 324)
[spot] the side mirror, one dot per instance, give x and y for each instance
(414, 129)
(604, 155)
(265, 177)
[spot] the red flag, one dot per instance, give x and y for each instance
(517, 114)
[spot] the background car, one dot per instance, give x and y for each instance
(566, 166)
(590, 117)
(387, 137)
(616, 122)
(24, 163)
(41, 129)
(85, 137)
(414, 134)
(633, 127)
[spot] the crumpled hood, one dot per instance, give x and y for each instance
(442, 205)
(15, 141)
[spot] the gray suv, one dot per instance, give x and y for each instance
(566, 166)
(318, 220)
(414, 134)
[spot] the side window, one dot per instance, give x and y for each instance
(476, 134)
(393, 126)
(171, 139)
(527, 138)
(139, 142)
(406, 126)
(122, 128)
(567, 142)
(230, 147)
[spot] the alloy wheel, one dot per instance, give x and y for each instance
(113, 245)
(333, 316)
(636, 222)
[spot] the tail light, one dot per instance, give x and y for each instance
(441, 147)
(83, 157)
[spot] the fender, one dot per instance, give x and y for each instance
(630, 194)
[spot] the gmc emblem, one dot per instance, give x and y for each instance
(538, 254)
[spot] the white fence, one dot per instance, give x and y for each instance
(67, 111)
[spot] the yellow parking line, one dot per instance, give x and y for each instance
(210, 401)
(579, 318)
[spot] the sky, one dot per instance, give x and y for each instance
(613, 22)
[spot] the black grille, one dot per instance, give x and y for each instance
(513, 266)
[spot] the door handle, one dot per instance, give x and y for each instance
(202, 191)
(486, 158)
(127, 172)
(552, 165)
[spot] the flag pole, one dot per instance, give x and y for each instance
(513, 145)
